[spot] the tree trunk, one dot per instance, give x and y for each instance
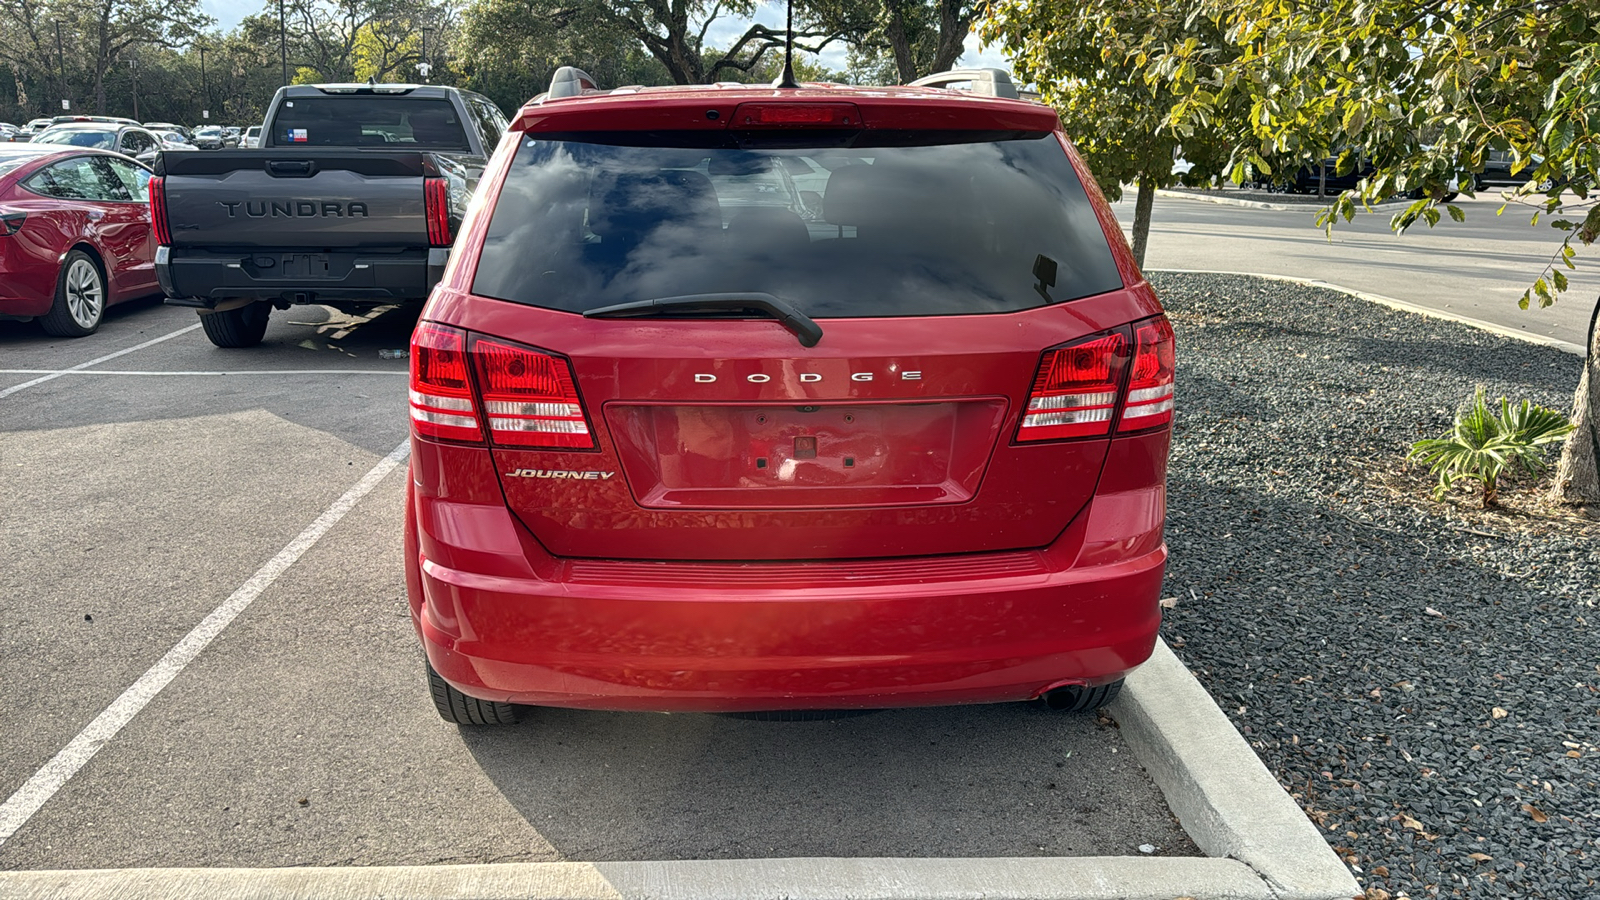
(1577, 481)
(895, 32)
(1141, 217)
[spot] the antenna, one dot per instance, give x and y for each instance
(786, 80)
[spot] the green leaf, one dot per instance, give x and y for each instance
(1456, 213)
(1560, 279)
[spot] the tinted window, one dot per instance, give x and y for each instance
(78, 178)
(930, 229)
(100, 140)
(362, 120)
(488, 122)
(136, 142)
(136, 179)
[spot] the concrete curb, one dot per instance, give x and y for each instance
(1403, 305)
(1218, 788)
(1230, 201)
(1085, 878)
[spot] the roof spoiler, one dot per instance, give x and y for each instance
(569, 81)
(985, 82)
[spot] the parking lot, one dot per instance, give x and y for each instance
(148, 489)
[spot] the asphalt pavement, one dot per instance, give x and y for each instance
(147, 490)
(1476, 268)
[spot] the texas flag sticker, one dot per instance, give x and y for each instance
(297, 134)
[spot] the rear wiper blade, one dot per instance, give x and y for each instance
(803, 326)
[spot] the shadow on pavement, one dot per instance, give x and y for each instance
(1003, 780)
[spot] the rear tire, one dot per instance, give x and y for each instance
(80, 302)
(1076, 698)
(454, 706)
(237, 328)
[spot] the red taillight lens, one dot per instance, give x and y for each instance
(436, 203)
(1149, 402)
(1075, 391)
(158, 210)
(780, 115)
(441, 396)
(529, 397)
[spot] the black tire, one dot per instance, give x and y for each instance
(1076, 698)
(237, 328)
(454, 706)
(80, 303)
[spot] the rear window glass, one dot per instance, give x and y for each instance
(915, 228)
(362, 120)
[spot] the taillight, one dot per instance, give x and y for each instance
(436, 205)
(762, 114)
(529, 397)
(441, 394)
(1149, 402)
(1075, 391)
(158, 210)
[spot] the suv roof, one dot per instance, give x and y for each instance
(692, 107)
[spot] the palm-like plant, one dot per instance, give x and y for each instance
(1481, 444)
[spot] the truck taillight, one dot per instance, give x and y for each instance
(1075, 390)
(441, 392)
(158, 210)
(436, 206)
(529, 397)
(1149, 402)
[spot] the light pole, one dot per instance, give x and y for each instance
(61, 63)
(205, 90)
(283, 42)
(133, 63)
(425, 67)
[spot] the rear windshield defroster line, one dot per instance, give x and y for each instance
(921, 224)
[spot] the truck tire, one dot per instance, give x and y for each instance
(241, 327)
(454, 706)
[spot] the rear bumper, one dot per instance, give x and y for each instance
(203, 278)
(504, 621)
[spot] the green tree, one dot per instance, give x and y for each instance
(1096, 63)
(896, 40)
(1425, 90)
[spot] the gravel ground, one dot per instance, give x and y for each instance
(1422, 677)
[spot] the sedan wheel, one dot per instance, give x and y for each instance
(80, 298)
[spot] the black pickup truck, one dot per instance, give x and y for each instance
(351, 201)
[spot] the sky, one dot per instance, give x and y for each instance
(725, 31)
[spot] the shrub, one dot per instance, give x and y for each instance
(1481, 444)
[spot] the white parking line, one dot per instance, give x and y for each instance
(44, 784)
(54, 372)
(95, 362)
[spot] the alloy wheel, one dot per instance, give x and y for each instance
(85, 293)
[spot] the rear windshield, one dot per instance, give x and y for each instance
(917, 228)
(362, 120)
(99, 139)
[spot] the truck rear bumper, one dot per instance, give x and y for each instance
(204, 278)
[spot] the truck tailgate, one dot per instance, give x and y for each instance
(289, 198)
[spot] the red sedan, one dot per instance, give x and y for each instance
(75, 235)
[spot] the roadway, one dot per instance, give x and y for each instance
(1477, 268)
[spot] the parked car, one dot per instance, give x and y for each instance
(75, 235)
(252, 138)
(231, 135)
(168, 126)
(676, 448)
(172, 140)
(208, 138)
(8, 131)
(129, 140)
(30, 130)
(352, 201)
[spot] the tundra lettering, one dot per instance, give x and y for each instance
(292, 209)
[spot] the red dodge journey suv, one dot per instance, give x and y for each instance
(765, 400)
